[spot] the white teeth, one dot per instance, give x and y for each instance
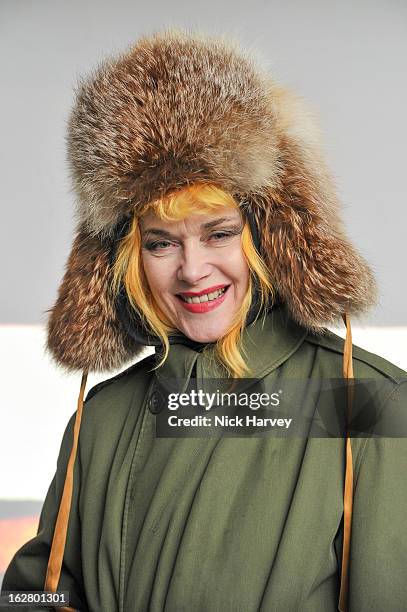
(207, 297)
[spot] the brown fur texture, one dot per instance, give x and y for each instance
(84, 331)
(176, 109)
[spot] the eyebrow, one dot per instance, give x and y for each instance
(154, 231)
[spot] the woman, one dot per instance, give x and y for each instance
(208, 228)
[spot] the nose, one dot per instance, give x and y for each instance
(194, 265)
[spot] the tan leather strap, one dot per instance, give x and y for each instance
(61, 526)
(348, 489)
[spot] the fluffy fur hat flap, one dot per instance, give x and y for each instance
(176, 109)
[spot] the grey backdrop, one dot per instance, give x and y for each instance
(346, 58)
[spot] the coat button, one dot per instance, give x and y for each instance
(156, 403)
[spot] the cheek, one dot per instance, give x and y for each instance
(245, 272)
(156, 273)
(244, 280)
(239, 270)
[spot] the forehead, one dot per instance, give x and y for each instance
(197, 221)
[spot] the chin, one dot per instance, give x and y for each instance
(204, 335)
(204, 339)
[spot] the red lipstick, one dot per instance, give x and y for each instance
(199, 293)
(203, 307)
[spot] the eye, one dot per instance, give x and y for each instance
(157, 245)
(223, 235)
(220, 235)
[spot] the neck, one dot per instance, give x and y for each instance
(265, 344)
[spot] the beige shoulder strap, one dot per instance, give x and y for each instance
(348, 489)
(61, 526)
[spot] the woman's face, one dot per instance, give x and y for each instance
(196, 270)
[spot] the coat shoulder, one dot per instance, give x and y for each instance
(367, 364)
(113, 403)
(141, 368)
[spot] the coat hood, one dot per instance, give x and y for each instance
(175, 109)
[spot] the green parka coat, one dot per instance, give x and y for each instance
(225, 524)
(215, 524)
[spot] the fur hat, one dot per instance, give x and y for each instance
(176, 109)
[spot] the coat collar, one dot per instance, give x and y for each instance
(267, 343)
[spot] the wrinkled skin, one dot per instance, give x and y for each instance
(190, 256)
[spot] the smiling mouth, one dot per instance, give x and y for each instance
(205, 297)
